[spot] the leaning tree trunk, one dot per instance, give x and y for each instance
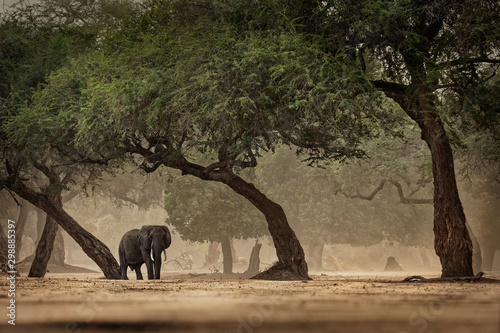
(451, 238)
(93, 247)
(227, 257)
(44, 249)
(291, 263)
(58, 252)
(452, 242)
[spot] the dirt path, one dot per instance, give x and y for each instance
(82, 302)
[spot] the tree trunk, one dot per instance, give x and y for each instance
(227, 257)
(20, 224)
(315, 258)
(291, 263)
(44, 249)
(93, 247)
(58, 253)
(212, 257)
(254, 265)
(452, 242)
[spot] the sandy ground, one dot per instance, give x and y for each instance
(77, 300)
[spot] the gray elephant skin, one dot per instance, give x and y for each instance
(144, 246)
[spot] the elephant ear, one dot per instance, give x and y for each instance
(144, 238)
(168, 237)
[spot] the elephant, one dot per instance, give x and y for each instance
(144, 246)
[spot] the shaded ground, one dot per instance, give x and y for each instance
(83, 302)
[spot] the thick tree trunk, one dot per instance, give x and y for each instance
(227, 257)
(58, 251)
(93, 247)
(44, 249)
(315, 258)
(213, 254)
(452, 242)
(291, 263)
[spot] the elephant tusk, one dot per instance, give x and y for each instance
(151, 253)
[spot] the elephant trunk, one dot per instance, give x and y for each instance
(157, 262)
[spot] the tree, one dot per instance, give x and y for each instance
(209, 212)
(162, 87)
(36, 40)
(438, 60)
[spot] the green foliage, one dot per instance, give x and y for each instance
(205, 87)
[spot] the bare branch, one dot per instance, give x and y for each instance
(366, 197)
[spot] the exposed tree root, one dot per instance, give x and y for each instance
(280, 272)
(419, 278)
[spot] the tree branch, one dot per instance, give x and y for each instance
(402, 198)
(366, 197)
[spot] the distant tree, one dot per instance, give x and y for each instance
(202, 211)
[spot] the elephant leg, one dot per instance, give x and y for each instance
(123, 269)
(123, 265)
(138, 272)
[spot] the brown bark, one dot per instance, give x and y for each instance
(93, 247)
(58, 251)
(44, 249)
(291, 263)
(227, 257)
(452, 242)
